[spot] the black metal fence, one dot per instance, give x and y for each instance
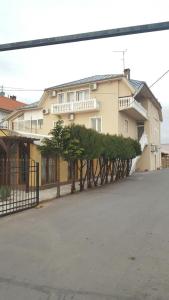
(19, 185)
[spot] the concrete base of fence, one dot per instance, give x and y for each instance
(51, 193)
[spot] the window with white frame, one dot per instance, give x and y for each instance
(40, 123)
(96, 123)
(60, 97)
(71, 96)
(54, 124)
(82, 95)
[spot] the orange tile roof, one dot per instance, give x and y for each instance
(10, 104)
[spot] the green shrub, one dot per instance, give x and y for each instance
(4, 192)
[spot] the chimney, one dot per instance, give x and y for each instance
(127, 73)
(13, 97)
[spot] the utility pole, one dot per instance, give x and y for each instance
(86, 36)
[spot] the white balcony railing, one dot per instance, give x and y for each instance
(78, 106)
(126, 103)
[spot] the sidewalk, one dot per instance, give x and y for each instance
(49, 194)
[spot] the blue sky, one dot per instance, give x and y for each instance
(38, 68)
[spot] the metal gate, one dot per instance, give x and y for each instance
(19, 185)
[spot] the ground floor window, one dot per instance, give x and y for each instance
(70, 170)
(126, 126)
(49, 170)
(96, 123)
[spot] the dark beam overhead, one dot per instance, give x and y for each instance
(86, 36)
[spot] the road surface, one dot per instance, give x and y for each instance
(107, 243)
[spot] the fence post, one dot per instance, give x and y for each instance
(37, 182)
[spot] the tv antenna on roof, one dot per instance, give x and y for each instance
(2, 91)
(123, 52)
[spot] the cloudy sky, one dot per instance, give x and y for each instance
(38, 68)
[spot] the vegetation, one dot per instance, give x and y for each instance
(4, 192)
(100, 158)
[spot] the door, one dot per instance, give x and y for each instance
(140, 130)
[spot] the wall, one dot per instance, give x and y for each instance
(125, 91)
(36, 155)
(4, 132)
(131, 131)
(154, 129)
(151, 160)
(3, 114)
(106, 94)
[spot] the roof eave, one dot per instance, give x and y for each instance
(60, 87)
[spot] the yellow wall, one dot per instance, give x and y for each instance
(4, 132)
(36, 155)
(106, 94)
(151, 160)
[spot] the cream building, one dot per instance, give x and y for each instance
(112, 104)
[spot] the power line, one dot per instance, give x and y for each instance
(21, 90)
(159, 79)
(86, 36)
(12, 89)
(16, 89)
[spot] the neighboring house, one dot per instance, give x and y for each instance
(165, 155)
(112, 104)
(7, 105)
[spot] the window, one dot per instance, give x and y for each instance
(34, 124)
(48, 170)
(71, 97)
(126, 126)
(82, 95)
(54, 123)
(96, 123)
(40, 123)
(70, 170)
(61, 98)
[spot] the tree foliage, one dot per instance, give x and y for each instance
(77, 143)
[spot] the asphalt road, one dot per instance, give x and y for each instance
(107, 243)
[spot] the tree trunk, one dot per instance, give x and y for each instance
(73, 189)
(81, 176)
(58, 176)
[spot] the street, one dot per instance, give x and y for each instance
(106, 243)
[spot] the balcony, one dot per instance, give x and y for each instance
(31, 126)
(77, 106)
(133, 108)
(3, 125)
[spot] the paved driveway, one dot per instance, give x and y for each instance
(109, 243)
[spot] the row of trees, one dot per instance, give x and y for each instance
(100, 158)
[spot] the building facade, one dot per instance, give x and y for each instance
(113, 104)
